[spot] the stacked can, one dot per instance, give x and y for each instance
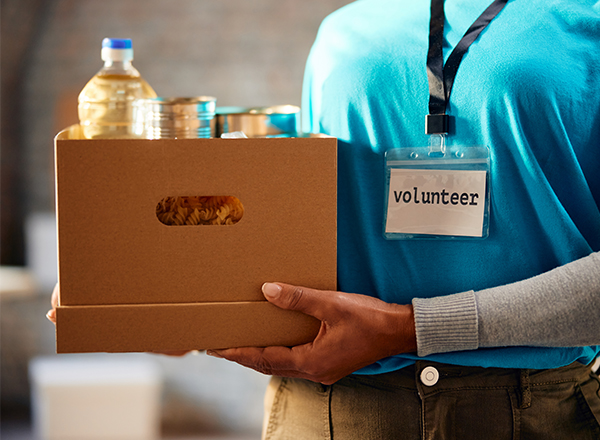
(274, 121)
(180, 118)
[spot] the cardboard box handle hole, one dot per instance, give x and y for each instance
(199, 210)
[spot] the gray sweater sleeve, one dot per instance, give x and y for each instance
(560, 308)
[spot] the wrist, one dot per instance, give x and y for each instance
(408, 334)
(403, 337)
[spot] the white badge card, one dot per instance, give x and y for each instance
(444, 197)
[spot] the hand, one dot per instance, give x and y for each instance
(356, 330)
(51, 315)
(174, 353)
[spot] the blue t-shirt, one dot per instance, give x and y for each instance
(528, 88)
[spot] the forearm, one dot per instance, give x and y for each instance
(558, 308)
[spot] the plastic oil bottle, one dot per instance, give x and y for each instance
(111, 104)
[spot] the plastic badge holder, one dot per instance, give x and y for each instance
(437, 192)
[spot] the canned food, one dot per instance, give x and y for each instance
(179, 118)
(274, 121)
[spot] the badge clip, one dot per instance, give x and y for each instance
(437, 145)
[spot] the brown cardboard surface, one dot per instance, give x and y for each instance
(157, 327)
(114, 250)
(131, 283)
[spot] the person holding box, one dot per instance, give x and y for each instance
(475, 321)
(512, 87)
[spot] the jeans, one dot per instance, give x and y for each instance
(461, 403)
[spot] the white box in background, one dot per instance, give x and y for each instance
(41, 249)
(95, 397)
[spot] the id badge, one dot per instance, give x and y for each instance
(443, 194)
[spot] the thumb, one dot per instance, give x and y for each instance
(309, 301)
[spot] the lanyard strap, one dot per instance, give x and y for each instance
(440, 76)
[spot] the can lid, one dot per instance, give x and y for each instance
(161, 110)
(277, 120)
(117, 43)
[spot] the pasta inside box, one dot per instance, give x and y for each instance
(165, 244)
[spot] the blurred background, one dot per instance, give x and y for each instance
(243, 52)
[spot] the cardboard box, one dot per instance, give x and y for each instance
(131, 283)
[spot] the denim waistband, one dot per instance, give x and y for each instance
(454, 376)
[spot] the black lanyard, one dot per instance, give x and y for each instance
(440, 76)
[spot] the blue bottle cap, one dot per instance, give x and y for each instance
(117, 43)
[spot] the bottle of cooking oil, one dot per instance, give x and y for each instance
(111, 104)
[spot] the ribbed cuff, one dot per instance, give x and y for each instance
(446, 323)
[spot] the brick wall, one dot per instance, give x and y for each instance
(243, 52)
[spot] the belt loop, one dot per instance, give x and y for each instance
(525, 389)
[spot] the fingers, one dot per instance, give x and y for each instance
(174, 353)
(277, 361)
(281, 361)
(51, 315)
(312, 302)
(55, 294)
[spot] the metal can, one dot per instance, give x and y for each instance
(274, 121)
(180, 118)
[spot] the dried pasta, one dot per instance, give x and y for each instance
(199, 210)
